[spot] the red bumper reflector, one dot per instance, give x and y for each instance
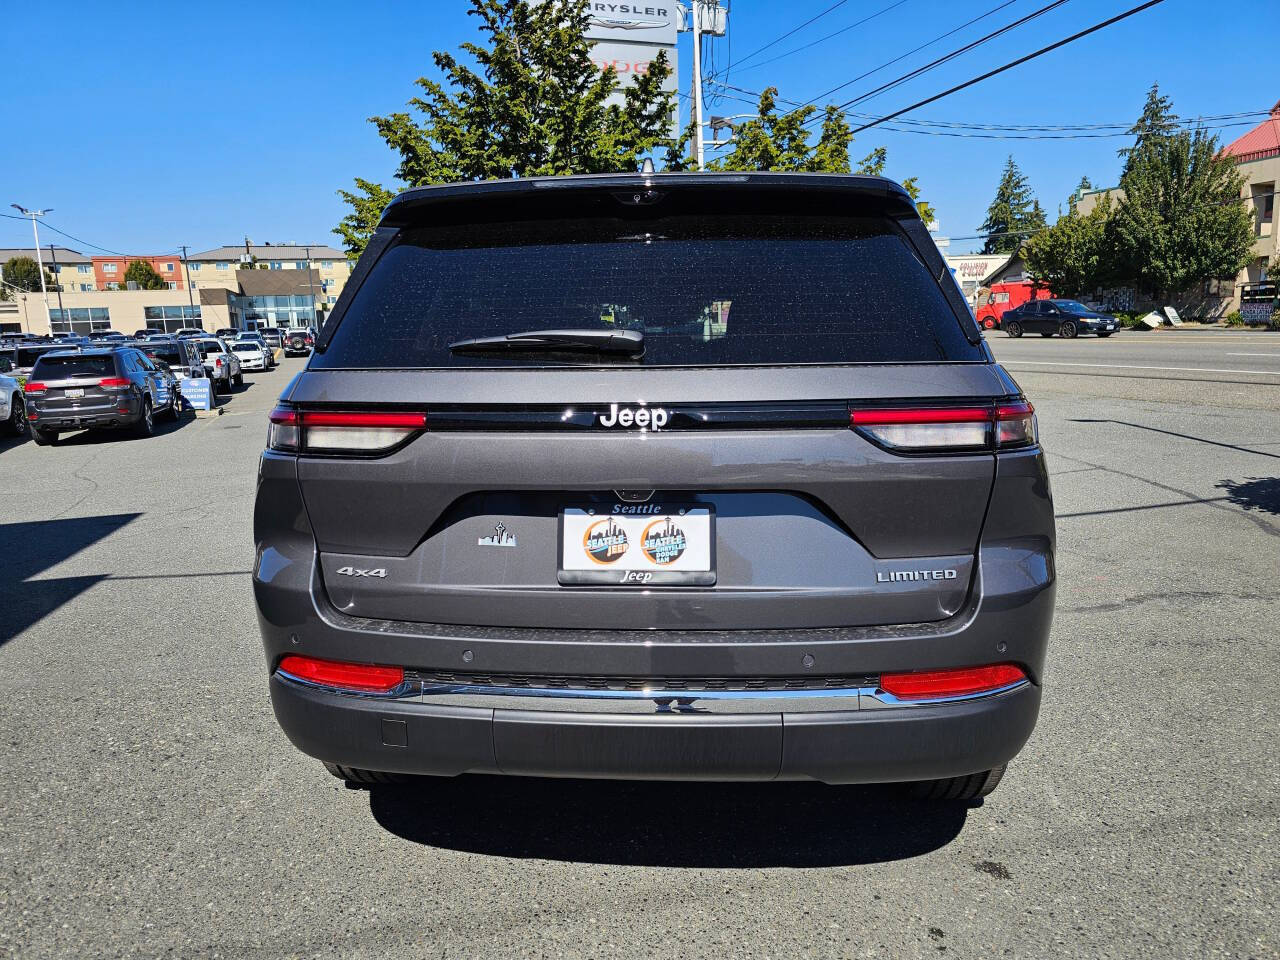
(346, 676)
(927, 684)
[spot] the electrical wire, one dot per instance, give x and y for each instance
(1008, 66)
(934, 64)
(814, 43)
(776, 40)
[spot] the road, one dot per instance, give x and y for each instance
(151, 807)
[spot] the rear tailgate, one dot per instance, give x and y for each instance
(763, 327)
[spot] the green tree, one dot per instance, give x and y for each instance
(1070, 258)
(1083, 187)
(780, 141)
(534, 104)
(24, 274)
(1014, 213)
(1157, 122)
(1182, 219)
(144, 275)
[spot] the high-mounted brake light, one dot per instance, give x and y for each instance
(943, 429)
(341, 431)
(961, 682)
(363, 677)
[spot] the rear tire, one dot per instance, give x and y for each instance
(1013, 328)
(975, 786)
(239, 379)
(364, 778)
(146, 425)
(44, 438)
(1068, 330)
(16, 425)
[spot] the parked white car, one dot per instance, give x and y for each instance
(13, 411)
(250, 354)
(222, 366)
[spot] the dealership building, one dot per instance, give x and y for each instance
(269, 284)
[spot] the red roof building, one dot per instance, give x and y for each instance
(1259, 143)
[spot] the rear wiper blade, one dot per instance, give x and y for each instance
(630, 342)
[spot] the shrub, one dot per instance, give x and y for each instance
(1234, 319)
(1274, 323)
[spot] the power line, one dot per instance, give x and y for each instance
(775, 40)
(1009, 66)
(814, 43)
(933, 64)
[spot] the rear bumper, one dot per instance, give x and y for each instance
(82, 419)
(844, 744)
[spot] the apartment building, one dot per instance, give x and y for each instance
(217, 267)
(108, 272)
(71, 269)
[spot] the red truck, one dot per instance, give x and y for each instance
(1006, 296)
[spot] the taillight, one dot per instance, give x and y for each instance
(34, 386)
(942, 429)
(340, 431)
(113, 383)
(964, 681)
(363, 677)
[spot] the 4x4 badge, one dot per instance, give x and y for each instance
(501, 538)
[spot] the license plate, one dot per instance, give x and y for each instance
(638, 544)
(74, 392)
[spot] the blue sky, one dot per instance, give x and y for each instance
(201, 123)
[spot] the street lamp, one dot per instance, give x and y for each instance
(33, 214)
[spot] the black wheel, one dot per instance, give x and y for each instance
(975, 786)
(1068, 330)
(146, 424)
(16, 425)
(364, 777)
(1013, 328)
(1103, 336)
(44, 438)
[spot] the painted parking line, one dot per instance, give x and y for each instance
(1013, 361)
(1253, 354)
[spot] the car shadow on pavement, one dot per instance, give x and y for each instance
(642, 823)
(1256, 493)
(86, 438)
(30, 549)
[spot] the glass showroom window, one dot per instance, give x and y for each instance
(80, 320)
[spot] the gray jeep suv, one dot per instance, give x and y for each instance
(673, 476)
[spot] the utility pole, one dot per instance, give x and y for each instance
(53, 257)
(190, 297)
(312, 282)
(32, 214)
(697, 83)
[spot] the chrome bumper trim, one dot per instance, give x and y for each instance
(572, 700)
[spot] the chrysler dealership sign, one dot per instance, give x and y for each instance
(648, 23)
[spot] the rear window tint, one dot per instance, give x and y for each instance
(722, 290)
(57, 368)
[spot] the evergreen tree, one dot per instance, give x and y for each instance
(1083, 187)
(1014, 213)
(1182, 219)
(534, 105)
(144, 275)
(1157, 122)
(779, 141)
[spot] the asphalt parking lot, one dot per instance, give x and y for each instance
(151, 807)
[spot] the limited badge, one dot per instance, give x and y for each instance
(605, 541)
(663, 542)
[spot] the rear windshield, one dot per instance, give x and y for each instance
(62, 368)
(27, 356)
(726, 290)
(170, 355)
(208, 346)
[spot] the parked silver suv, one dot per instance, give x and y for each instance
(686, 476)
